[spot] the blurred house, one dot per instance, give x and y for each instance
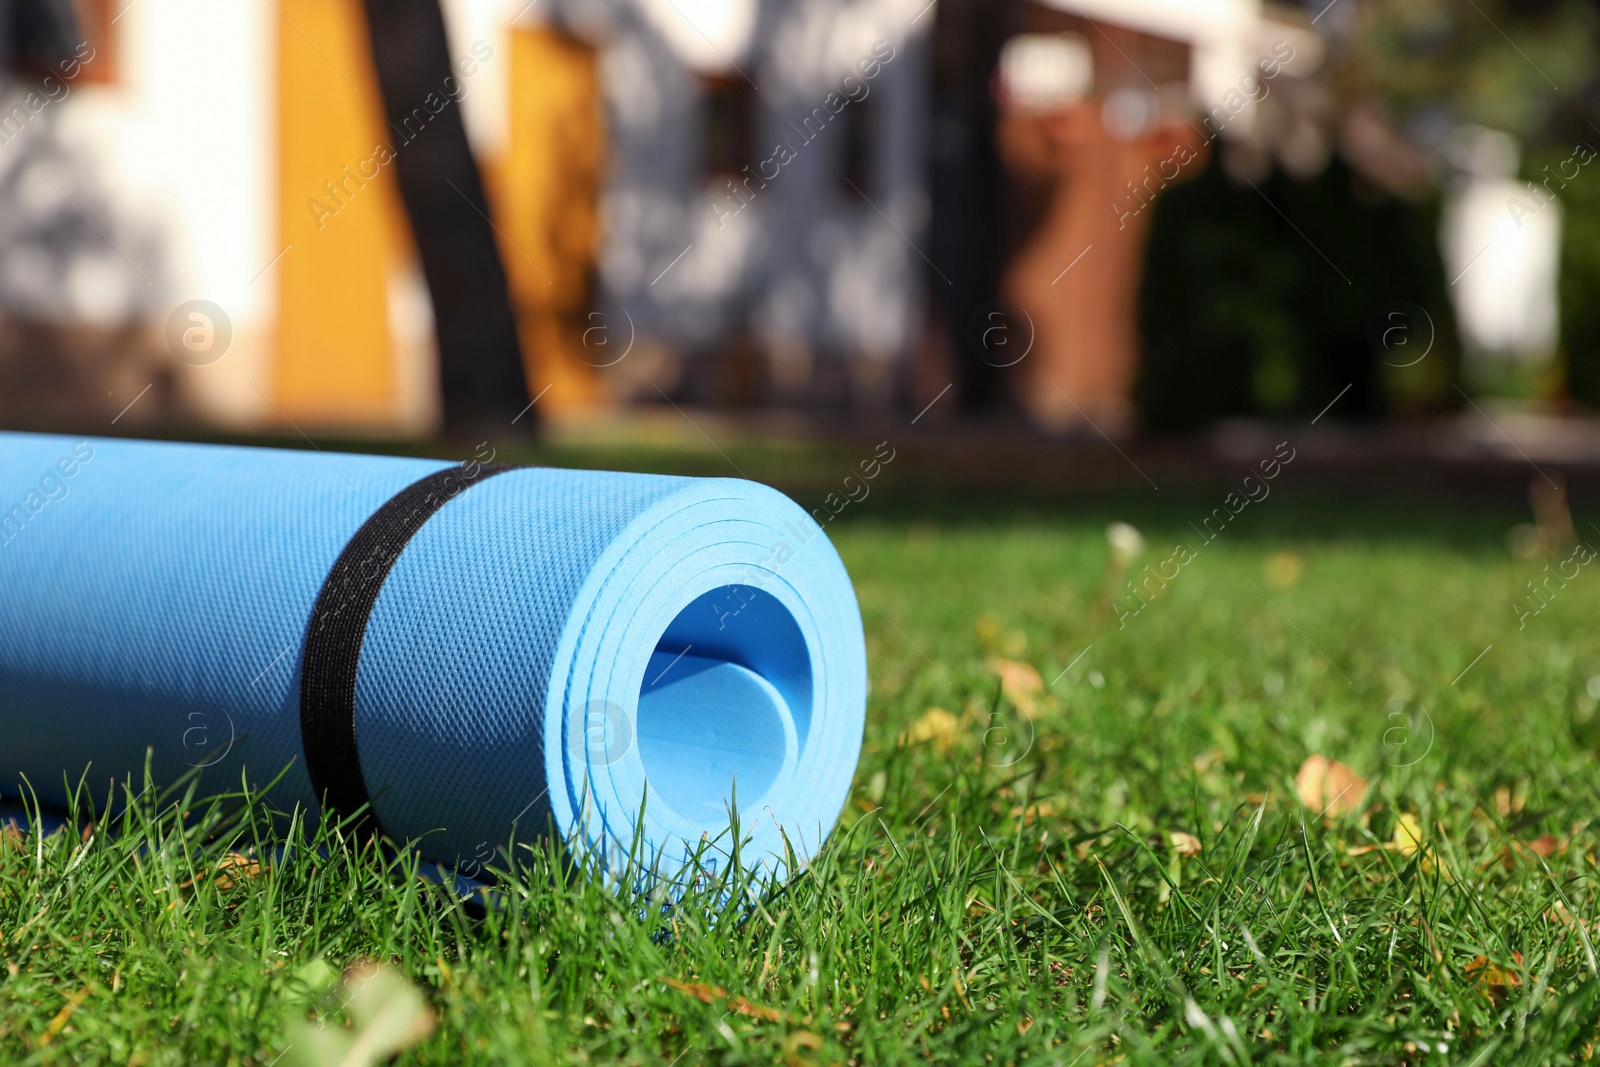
(818, 203)
(202, 216)
(757, 166)
(1101, 105)
(765, 194)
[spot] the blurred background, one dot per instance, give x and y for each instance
(1139, 236)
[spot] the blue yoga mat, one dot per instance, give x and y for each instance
(512, 648)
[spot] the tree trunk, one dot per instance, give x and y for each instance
(482, 383)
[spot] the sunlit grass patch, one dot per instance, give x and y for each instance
(1069, 841)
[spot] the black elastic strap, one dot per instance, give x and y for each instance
(339, 626)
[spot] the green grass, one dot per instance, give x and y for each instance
(1004, 890)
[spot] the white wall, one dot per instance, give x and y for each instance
(173, 168)
(1225, 35)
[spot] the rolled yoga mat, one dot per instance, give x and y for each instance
(481, 652)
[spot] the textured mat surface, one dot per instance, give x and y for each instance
(551, 645)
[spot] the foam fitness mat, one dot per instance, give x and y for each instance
(482, 651)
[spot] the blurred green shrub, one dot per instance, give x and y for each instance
(1579, 357)
(1260, 301)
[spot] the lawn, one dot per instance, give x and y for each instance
(1076, 836)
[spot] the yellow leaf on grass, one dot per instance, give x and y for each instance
(1407, 840)
(58, 1023)
(1021, 684)
(1328, 787)
(1407, 834)
(936, 727)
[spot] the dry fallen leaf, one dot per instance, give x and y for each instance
(802, 1039)
(1033, 812)
(1547, 845)
(1559, 914)
(1020, 683)
(1183, 844)
(937, 727)
(231, 869)
(1552, 513)
(710, 994)
(1540, 848)
(235, 867)
(1495, 980)
(1328, 787)
(1507, 802)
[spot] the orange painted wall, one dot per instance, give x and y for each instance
(335, 361)
(546, 192)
